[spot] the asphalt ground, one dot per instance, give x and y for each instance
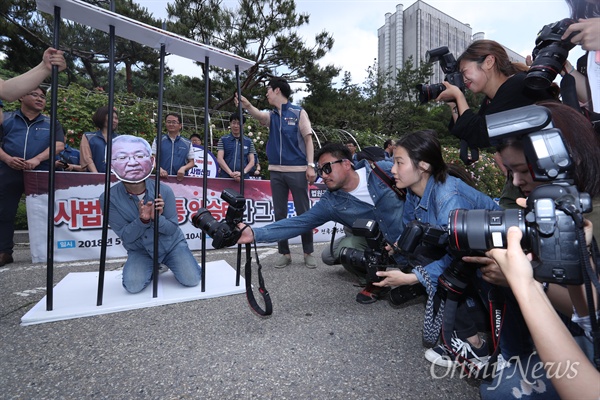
(318, 344)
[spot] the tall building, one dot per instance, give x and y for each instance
(419, 28)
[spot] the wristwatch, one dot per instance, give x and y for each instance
(311, 164)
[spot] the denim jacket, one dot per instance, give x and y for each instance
(435, 206)
(344, 208)
(124, 219)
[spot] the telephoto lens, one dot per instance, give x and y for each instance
(429, 92)
(204, 221)
(481, 230)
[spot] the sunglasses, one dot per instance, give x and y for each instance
(326, 168)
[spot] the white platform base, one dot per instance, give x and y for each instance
(76, 295)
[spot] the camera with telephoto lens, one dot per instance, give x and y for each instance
(549, 54)
(375, 257)
(548, 225)
(425, 243)
(224, 233)
(450, 68)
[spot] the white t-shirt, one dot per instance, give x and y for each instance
(362, 190)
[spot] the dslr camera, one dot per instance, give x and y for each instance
(449, 66)
(549, 54)
(549, 228)
(426, 243)
(224, 233)
(375, 257)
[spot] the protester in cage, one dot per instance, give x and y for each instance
(132, 210)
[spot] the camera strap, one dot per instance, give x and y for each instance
(261, 284)
(442, 322)
(590, 277)
(432, 322)
(401, 193)
(333, 232)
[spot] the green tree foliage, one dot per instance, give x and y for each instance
(27, 33)
(260, 30)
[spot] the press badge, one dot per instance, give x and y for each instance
(290, 121)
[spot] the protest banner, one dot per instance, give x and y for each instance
(78, 215)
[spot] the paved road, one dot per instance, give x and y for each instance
(319, 343)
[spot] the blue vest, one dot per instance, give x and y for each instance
(286, 145)
(231, 154)
(26, 139)
(173, 153)
(98, 148)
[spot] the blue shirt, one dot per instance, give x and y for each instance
(344, 208)
(435, 206)
(230, 146)
(173, 153)
(124, 219)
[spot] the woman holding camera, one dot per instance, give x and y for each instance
(582, 144)
(431, 194)
(487, 69)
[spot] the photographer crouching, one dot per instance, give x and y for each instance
(365, 190)
(431, 194)
(554, 160)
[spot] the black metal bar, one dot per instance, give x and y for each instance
(51, 173)
(241, 153)
(157, 163)
(108, 157)
(205, 166)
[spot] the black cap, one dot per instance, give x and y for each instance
(371, 153)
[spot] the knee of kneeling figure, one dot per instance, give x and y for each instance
(133, 287)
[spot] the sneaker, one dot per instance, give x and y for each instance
(283, 261)
(371, 293)
(442, 356)
(310, 261)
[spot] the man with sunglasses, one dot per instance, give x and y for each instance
(353, 192)
(25, 136)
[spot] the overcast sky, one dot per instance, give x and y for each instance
(354, 24)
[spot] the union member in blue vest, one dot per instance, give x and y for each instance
(228, 152)
(290, 153)
(25, 146)
(176, 152)
(93, 144)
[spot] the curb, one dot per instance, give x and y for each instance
(21, 237)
